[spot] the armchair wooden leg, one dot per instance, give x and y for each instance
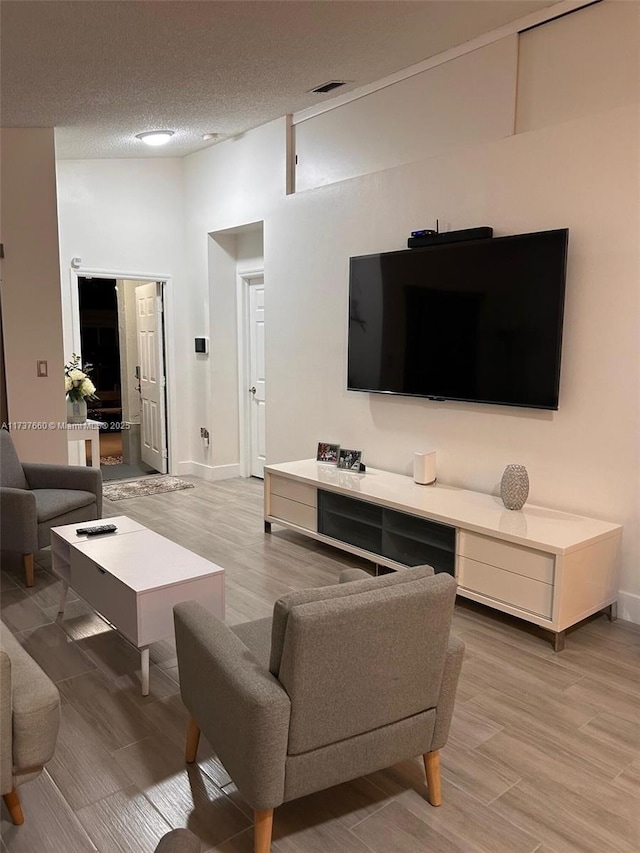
(263, 827)
(27, 562)
(12, 802)
(432, 768)
(193, 739)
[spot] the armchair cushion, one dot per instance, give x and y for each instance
(51, 503)
(329, 643)
(285, 604)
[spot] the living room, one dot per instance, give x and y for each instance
(550, 174)
(523, 132)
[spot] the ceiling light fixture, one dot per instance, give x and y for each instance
(155, 137)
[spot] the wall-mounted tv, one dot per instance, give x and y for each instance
(478, 321)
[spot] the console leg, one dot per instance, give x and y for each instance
(612, 611)
(267, 527)
(144, 666)
(63, 598)
(558, 641)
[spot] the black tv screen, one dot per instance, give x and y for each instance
(477, 321)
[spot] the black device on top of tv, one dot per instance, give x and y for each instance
(477, 321)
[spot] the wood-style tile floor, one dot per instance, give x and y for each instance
(543, 753)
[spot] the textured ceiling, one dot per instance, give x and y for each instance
(101, 71)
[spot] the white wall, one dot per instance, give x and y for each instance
(421, 118)
(227, 187)
(126, 217)
(575, 169)
(31, 312)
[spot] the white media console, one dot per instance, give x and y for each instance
(548, 567)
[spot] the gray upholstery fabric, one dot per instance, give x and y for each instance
(36, 497)
(18, 520)
(6, 747)
(396, 634)
(52, 503)
(257, 638)
(68, 477)
(304, 596)
(348, 575)
(367, 678)
(179, 841)
(85, 513)
(11, 473)
(349, 759)
(452, 667)
(35, 705)
(240, 707)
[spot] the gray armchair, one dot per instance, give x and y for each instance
(36, 497)
(341, 682)
(179, 841)
(29, 720)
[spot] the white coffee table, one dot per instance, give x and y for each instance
(132, 578)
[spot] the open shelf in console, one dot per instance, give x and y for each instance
(402, 538)
(356, 522)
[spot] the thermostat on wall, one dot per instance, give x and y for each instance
(202, 345)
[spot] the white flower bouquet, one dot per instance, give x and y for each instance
(77, 384)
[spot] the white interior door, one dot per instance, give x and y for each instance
(152, 381)
(257, 398)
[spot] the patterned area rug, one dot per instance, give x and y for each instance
(143, 488)
(111, 460)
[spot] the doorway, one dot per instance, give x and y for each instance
(253, 374)
(121, 334)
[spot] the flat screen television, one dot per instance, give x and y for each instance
(478, 321)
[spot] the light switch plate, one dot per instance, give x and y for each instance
(42, 369)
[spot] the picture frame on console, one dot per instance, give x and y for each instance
(327, 453)
(349, 459)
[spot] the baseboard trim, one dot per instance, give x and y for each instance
(183, 469)
(629, 606)
(214, 472)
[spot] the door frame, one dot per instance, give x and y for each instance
(244, 281)
(168, 330)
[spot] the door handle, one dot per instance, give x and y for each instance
(253, 389)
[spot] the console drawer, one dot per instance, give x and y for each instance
(303, 493)
(297, 513)
(105, 593)
(513, 558)
(509, 587)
